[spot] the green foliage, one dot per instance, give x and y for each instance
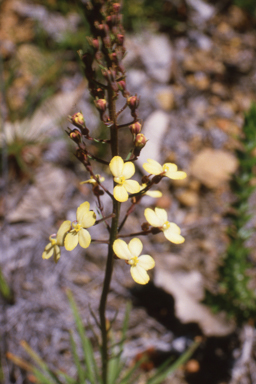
(87, 370)
(5, 290)
(166, 14)
(234, 294)
(248, 5)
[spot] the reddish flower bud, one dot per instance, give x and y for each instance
(76, 136)
(95, 43)
(101, 104)
(107, 41)
(113, 57)
(145, 226)
(116, 7)
(120, 38)
(133, 102)
(122, 85)
(140, 141)
(78, 119)
(135, 128)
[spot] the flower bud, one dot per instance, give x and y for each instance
(145, 226)
(121, 85)
(116, 7)
(107, 41)
(133, 102)
(135, 128)
(140, 140)
(95, 43)
(139, 143)
(78, 119)
(101, 104)
(76, 136)
(120, 39)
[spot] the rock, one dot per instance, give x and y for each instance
(43, 198)
(205, 11)
(188, 198)
(187, 289)
(165, 99)
(154, 128)
(156, 54)
(213, 167)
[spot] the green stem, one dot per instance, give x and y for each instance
(112, 237)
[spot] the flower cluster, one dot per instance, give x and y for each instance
(70, 234)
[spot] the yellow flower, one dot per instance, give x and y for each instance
(168, 169)
(139, 264)
(122, 172)
(53, 248)
(155, 194)
(93, 181)
(84, 219)
(158, 218)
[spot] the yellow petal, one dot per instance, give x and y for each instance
(179, 175)
(84, 238)
(147, 262)
(116, 166)
(120, 193)
(173, 237)
(71, 240)
(174, 228)
(161, 214)
(171, 167)
(63, 229)
(153, 167)
(48, 251)
(128, 170)
(132, 186)
(135, 246)
(154, 194)
(139, 275)
(56, 254)
(152, 218)
(121, 249)
(88, 220)
(82, 210)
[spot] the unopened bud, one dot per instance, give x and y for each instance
(120, 38)
(135, 128)
(95, 44)
(107, 41)
(133, 102)
(78, 119)
(121, 85)
(101, 104)
(145, 226)
(76, 136)
(140, 141)
(116, 7)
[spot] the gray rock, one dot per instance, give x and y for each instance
(157, 55)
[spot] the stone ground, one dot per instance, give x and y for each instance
(194, 89)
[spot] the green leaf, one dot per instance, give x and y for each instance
(163, 373)
(92, 369)
(80, 370)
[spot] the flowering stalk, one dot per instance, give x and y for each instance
(107, 52)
